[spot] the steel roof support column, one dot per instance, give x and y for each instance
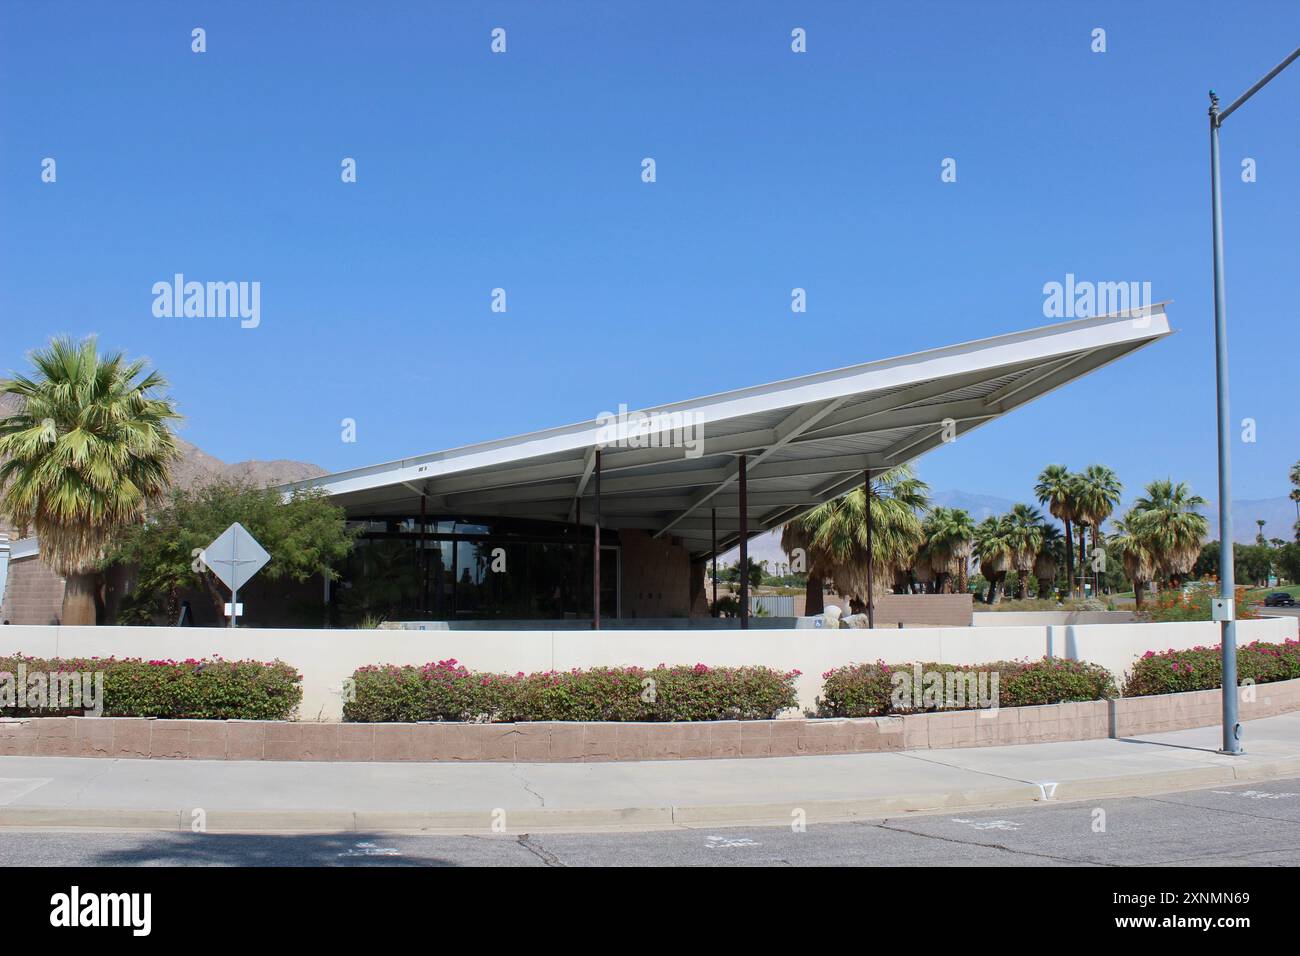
(577, 559)
(871, 555)
(595, 560)
(424, 560)
(744, 547)
(714, 609)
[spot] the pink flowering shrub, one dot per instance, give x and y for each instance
(868, 690)
(446, 690)
(1201, 668)
(208, 689)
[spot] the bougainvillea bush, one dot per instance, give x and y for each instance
(447, 690)
(208, 689)
(869, 690)
(1201, 668)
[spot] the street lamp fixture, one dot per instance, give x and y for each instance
(1224, 610)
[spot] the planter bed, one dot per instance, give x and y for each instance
(593, 741)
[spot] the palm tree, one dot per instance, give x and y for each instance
(1098, 494)
(1167, 519)
(1057, 488)
(1133, 545)
(834, 534)
(1048, 561)
(89, 447)
(994, 548)
(949, 533)
(1025, 524)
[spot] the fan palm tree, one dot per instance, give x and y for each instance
(1133, 546)
(1098, 495)
(949, 533)
(796, 537)
(1025, 524)
(1057, 488)
(835, 533)
(994, 547)
(89, 447)
(1048, 561)
(1168, 519)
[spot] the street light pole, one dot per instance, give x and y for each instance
(1225, 611)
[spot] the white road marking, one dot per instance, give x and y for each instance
(1256, 794)
(369, 849)
(988, 824)
(717, 842)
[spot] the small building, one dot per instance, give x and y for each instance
(509, 530)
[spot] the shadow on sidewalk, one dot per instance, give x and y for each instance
(265, 849)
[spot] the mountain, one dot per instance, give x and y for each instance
(196, 467)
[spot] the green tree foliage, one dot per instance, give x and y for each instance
(90, 446)
(304, 534)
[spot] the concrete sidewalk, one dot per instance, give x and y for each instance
(476, 797)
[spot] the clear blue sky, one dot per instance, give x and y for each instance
(775, 170)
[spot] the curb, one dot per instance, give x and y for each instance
(646, 818)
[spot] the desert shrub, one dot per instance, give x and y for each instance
(868, 690)
(1201, 668)
(212, 689)
(1192, 606)
(446, 690)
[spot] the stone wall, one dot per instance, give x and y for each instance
(33, 594)
(656, 576)
(923, 610)
(590, 742)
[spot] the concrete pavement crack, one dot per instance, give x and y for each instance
(514, 772)
(1227, 810)
(953, 766)
(993, 846)
(76, 797)
(536, 849)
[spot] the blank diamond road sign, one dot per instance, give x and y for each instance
(235, 556)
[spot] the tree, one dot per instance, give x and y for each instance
(1295, 496)
(1057, 488)
(1048, 562)
(89, 448)
(949, 534)
(1025, 525)
(1133, 546)
(994, 548)
(1097, 491)
(304, 534)
(835, 533)
(1171, 528)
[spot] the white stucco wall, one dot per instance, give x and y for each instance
(326, 658)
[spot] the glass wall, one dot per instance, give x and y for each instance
(477, 569)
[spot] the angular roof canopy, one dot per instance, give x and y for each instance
(807, 439)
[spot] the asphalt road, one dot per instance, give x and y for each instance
(1250, 825)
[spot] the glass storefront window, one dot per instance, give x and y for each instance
(459, 569)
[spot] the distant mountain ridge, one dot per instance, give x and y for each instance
(195, 467)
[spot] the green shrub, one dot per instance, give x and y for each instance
(446, 690)
(868, 690)
(1201, 668)
(213, 689)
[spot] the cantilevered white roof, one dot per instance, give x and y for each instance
(806, 439)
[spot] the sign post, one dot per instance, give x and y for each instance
(234, 558)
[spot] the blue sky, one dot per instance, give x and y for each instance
(775, 170)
